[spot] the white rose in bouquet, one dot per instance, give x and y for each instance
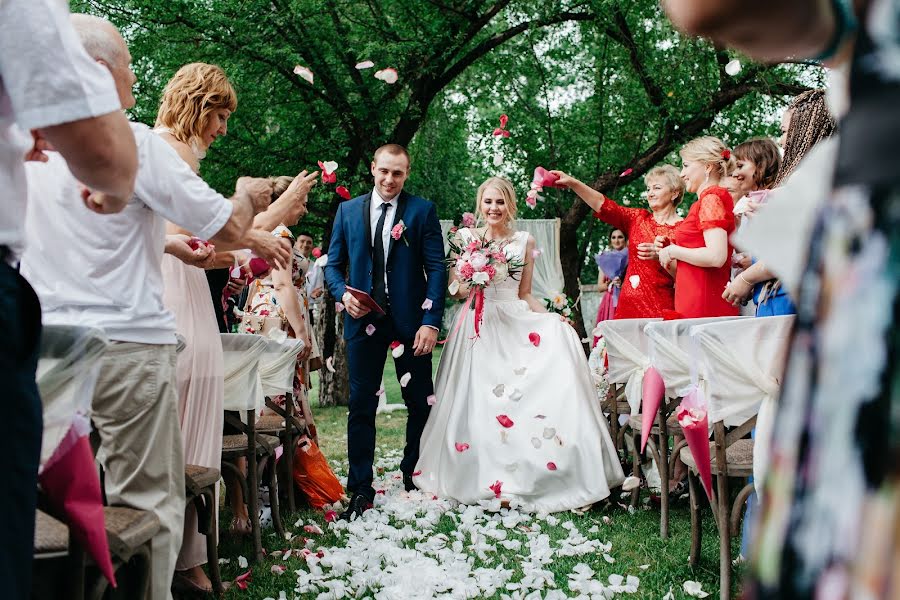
(501, 271)
(478, 261)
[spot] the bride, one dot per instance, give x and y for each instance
(516, 416)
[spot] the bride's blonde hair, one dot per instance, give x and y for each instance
(505, 187)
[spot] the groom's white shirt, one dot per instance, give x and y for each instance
(374, 215)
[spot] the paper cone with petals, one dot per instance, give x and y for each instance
(652, 395)
(694, 423)
(72, 489)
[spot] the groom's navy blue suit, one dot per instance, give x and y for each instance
(415, 272)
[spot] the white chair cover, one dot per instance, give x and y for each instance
(670, 351)
(744, 361)
(590, 303)
(627, 348)
(278, 366)
(243, 352)
(67, 371)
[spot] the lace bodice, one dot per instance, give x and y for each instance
(506, 290)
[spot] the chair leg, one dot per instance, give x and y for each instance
(614, 417)
(663, 463)
(289, 453)
(273, 498)
(212, 541)
(636, 466)
(724, 538)
(696, 518)
(252, 501)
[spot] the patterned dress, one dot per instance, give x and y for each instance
(647, 289)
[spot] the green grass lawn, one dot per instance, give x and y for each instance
(636, 547)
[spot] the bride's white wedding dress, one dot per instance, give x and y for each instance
(509, 411)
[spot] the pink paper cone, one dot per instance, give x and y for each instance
(73, 492)
(697, 436)
(545, 178)
(651, 396)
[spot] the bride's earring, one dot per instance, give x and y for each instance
(705, 181)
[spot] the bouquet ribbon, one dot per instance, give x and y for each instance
(475, 301)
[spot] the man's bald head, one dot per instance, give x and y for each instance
(105, 44)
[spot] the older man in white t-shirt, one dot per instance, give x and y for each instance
(104, 271)
(50, 86)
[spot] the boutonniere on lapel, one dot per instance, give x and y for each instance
(398, 232)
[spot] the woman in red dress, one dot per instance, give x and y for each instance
(647, 290)
(701, 251)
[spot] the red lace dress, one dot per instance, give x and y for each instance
(698, 290)
(652, 292)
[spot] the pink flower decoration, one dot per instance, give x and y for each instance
(342, 192)
(330, 516)
(397, 230)
(316, 252)
(431, 400)
(468, 219)
(498, 485)
(505, 421)
(551, 466)
(534, 338)
(427, 304)
(461, 447)
(370, 329)
(466, 271)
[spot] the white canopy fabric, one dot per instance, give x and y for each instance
(243, 351)
(548, 277)
(628, 350)
(67, 371)
(744, 361)
(277, 366)
(590, 303)
(670, 351)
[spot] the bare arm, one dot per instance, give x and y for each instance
(101, 153)
(286, 294)
(589, 195)
(766, 30)
(713, 254)
(290, 205)
(527, 275)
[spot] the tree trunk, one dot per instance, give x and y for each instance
(570, 259)
(334, 388)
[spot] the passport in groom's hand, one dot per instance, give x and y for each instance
(365, 299)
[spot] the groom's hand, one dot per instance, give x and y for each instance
(353, 306)
(426, 338)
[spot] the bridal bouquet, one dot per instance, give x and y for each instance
(560, 304)
(479, 264)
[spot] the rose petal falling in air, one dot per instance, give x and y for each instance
(404, 380)
(366, 64)
(370, 329)
(388, 76)
(635, 281)
(235, 272)
(551, 466)
(536, 252)
(626, 172)
(496, 487)
(505, 421)
(343, 192)
(339, 307)
(328, 166)
(453, 288)
(503, 121)
(396, 349)
(431, 400)
(329, 364)
(534, 338)
(380, 392)
(461, 446)
(304, 73)
(498, 159)
(540, 417)
(733, 67)
(428, 304)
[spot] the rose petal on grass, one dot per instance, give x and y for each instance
(312, 528)
(330, 516)
(242, 562)
(278, 569)
(631, 483)
(694, 588)
(610, 560)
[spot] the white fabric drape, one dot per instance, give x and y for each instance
(670, 350)
(67, 372)
(277, 366)
(243, 352)
(590, 302)
(628, 351)
(744, 362)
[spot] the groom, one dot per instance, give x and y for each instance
(389, 244)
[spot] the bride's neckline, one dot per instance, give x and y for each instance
(483, 234)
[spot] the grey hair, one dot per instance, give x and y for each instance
(99, 38)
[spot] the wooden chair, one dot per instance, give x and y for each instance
(658, 445)
(742, 361)
(243, 394)
(200, 489)
(129, 533)
(58, 561)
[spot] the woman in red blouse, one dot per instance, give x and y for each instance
(647, 290)
(701, 250)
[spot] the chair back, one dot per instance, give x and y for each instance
(627, 348)
(67, 371)
(278, 365)
(670, 350)
(242, 353)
